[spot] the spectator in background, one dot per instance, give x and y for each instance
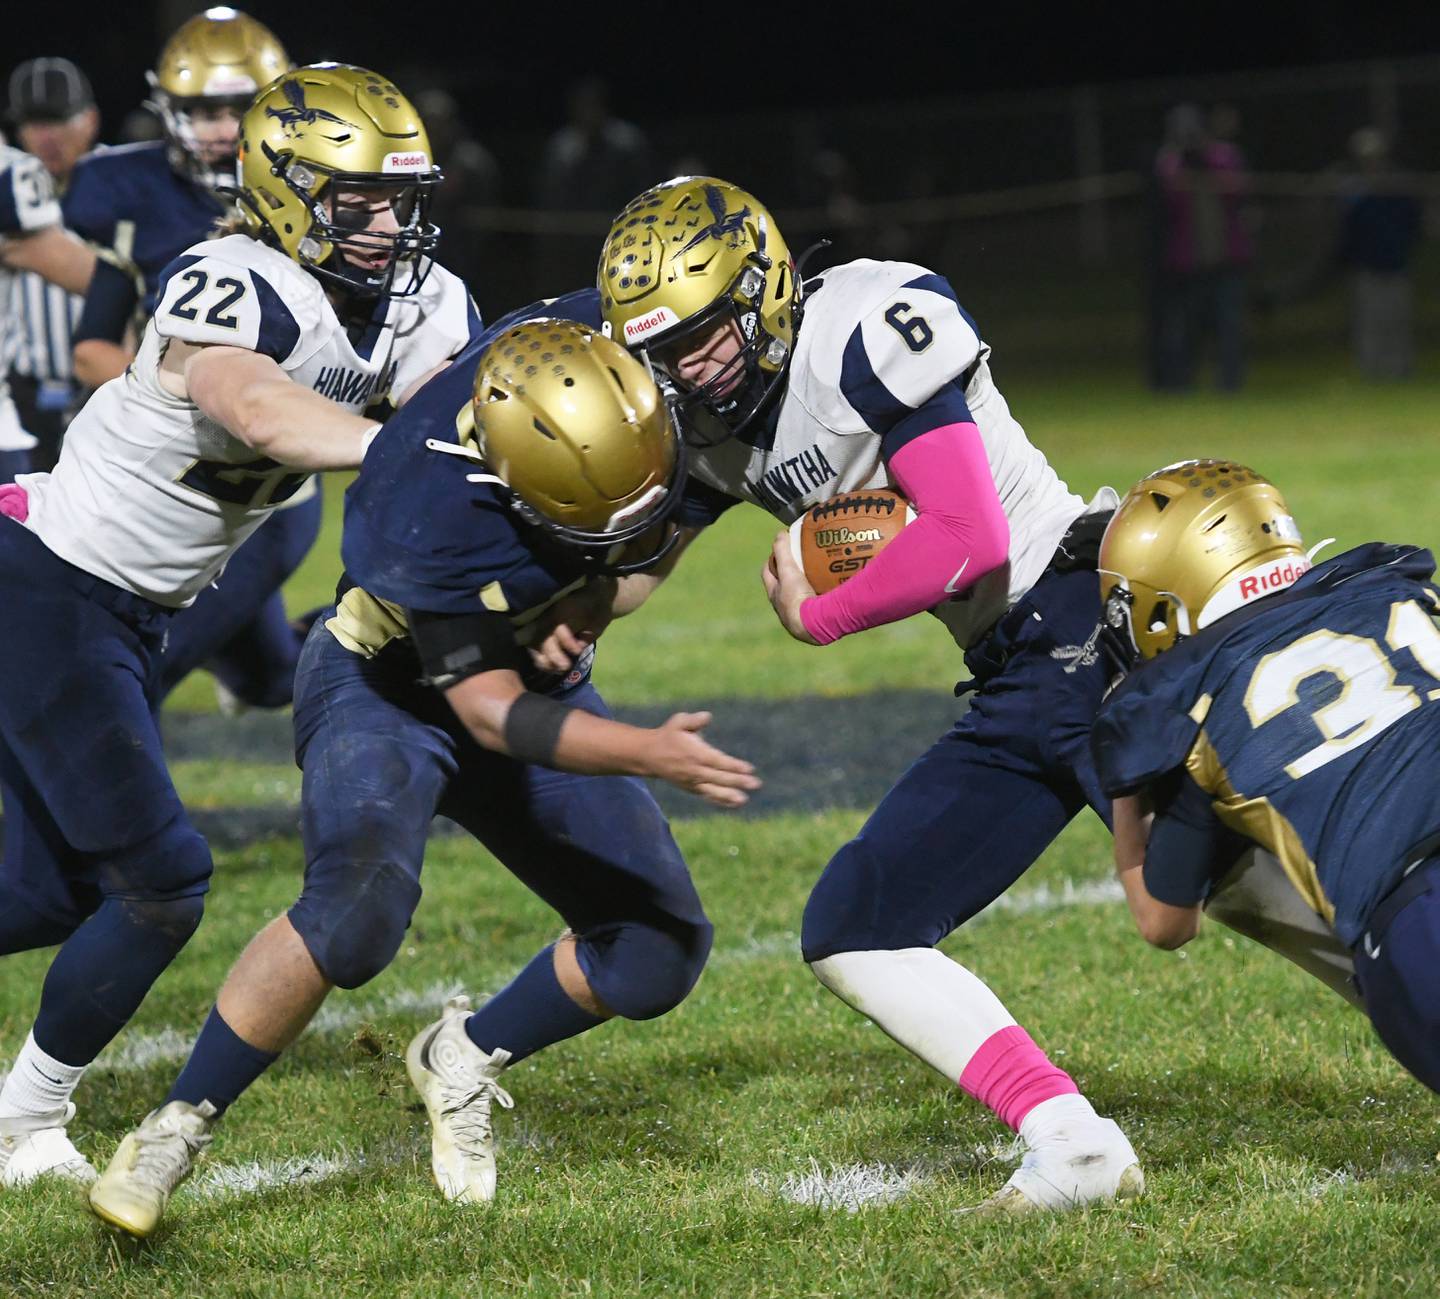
(52, 110)
(594, 163)
(472, 185)
(1204, 251)
(1379, 230)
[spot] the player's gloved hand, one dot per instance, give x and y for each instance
(571, 625)
(679, 755)
(788, 587)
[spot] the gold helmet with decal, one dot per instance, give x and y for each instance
(1189, 544)
(679, 261)
(215, 61)
(320, 134)
(578, 432)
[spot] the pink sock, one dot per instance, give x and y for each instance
(14, 502)
(1010, 1075)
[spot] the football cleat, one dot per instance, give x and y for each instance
(1081, 1164)
(456, 1080)
(36, 1145)
(151, 1162)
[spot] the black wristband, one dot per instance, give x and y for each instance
(532, 728)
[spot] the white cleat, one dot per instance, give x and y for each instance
(456, 1080)
(36, 1145)
(1078, 1164)
(151, 1162)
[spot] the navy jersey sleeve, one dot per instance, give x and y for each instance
(906, 364)
(1145, 728)
(89, 203)
(701, 504)
(1190, 848)
(110, 304)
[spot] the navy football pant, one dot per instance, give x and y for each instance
(99, 853)
(237, 627)
(382, 754)
(1401, 985)
(980, 806)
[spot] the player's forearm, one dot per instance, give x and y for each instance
(255, 400)
(632, 590)
(297, 427)
(97, 361)
(53, 253)
(535, 728)
(1159, 923)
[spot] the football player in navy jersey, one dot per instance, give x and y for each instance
(510, 480)
(1276, 704)
(873, 374)
(222, 416)
(143, 205)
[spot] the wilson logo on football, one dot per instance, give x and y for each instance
(846, 536)
(660, 318)
(414, 161)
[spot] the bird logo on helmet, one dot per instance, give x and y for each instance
(320, 133)
(215, 61)
(572, 426)
(681, 260)
(1189, 544)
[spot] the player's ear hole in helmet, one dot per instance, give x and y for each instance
(1189, 544)
(336, 172)
(581, 438)
(697, 265)
(208, 71)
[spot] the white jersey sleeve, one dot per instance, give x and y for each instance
(215, 299)
(910, 345)
(27, 195)
(886, 344)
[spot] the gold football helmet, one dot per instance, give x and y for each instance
(577, 431)
(1189, 544)
(216, 60)
(321, 132)
(680, 259)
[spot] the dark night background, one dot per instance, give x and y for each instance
(847, 121)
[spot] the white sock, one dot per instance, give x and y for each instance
(920, 997)
(38, 1083)
(1054, 1117)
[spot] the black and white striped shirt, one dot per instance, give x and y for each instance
(41, 317)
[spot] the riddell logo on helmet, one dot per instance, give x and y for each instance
(1273, 577)
(415, 161)
(660, 318)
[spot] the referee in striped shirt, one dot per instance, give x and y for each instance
(52, 112)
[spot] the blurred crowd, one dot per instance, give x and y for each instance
(520, 232)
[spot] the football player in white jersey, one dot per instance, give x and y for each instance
(873, 374)
(31, 239)
(264, 348)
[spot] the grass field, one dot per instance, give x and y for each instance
(763, 1139)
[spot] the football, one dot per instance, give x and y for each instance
(834, 540)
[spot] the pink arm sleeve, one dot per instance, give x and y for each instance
(959, 536)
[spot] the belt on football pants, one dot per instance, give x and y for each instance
(1419, 878)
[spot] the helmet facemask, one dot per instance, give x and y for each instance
(725, 404)
(203, 162)
(338, 225)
